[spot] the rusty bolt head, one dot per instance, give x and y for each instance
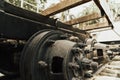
(73, 65)
(76, 50)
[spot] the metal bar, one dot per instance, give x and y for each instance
(17, 23)
(103, 6)
(37, 17)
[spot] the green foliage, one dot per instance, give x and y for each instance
(28, 4)
(31, 1)
(43, 1)
(92, 8)
(15, 2)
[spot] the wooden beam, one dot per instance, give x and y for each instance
(62, 6)
(99, 29)
(105, 9)
(97, 26)
(84, 19)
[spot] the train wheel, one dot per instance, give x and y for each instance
(48, 55)
(34, 51)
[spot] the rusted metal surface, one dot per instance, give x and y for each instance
(15, 20)
(51, 54)
(48, 55)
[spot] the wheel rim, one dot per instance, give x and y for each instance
(33, 52)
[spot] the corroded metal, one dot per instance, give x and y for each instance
(48, 56)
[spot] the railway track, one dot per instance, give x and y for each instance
(109, 71)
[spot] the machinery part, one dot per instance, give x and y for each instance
(96, 51)
(30, 57)
(90, 41)
(9, 56)
(74, 70)
(48, 56)
(90, 45)
(12, 16)
(89, 64)
(38, 54)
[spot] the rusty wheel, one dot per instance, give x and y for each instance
(47, 56)
(33, 58)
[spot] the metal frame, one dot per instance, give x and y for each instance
(18, 23)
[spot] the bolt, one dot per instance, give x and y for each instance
(42, 64)
(76, 50)
(74, 78)
(94, 65)
(87, 51)
(88, 75)
(63, 36)
(50, 42)
(95, 58)
(73, 65)
(81, 45)
(74, 39)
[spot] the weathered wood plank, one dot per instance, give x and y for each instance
(84, 19)
(97, 26)
(62, 6)
(99, 29)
